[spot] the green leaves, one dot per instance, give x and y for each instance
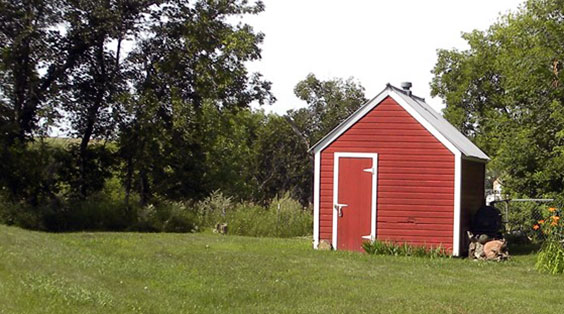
(329, 103)
(504, 92)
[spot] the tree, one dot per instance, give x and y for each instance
(191, 56)
(96, 85)
(505, 93)
(285, 165)
(282, 162)
(57, 59)
(29, 45)
(33, 57)
(328, 104)
(231, 150)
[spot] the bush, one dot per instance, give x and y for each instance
(284, 217)
(213, 209)
(21, 215)
(166, 216)
(97, 212)
(107, 210)
(179, 218)
(404, 249)
(147, 220)
(550, 258)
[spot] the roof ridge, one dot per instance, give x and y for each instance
(401, 90)
(446, 132)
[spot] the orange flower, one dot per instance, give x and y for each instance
(536, 227)
(552, 209)
(541, 221)
(554, 223)
(555, 218)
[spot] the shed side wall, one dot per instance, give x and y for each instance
(472, 197)
(415, 177)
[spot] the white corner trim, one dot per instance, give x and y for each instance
(316, 195)
(457, 204)
(374, 202)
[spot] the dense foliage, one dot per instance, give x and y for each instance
(506, 93)
(156, 98)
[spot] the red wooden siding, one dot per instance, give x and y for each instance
(472, 198)
(415, 177)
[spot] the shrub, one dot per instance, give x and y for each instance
(213, 209)
(403, 249)
(107, 210)
(284, 217)
(21, 215)
(96, 212)
(147, 220)
(179, 218)
(550, 258)
(166, 216)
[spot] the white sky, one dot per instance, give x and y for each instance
(375, 42)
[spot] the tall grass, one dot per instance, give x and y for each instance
(550, 258)
(284, 217)
(107, 211)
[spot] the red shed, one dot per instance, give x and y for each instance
(396, 170)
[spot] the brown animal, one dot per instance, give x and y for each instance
(483, 248)
(324, 245)
(495, 250)
(220, 228)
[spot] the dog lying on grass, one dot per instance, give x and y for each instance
(483, 247)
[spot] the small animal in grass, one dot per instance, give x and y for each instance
(496, 250)
(483, 247)
(476, 248)
(220, 228)
(324, 245)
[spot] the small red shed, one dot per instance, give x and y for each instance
(396, 170)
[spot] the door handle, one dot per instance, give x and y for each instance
(339, 208)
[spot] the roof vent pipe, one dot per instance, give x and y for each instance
(406, 86)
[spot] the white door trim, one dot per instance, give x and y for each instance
(374, 157)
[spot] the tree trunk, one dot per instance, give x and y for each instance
(92, 116)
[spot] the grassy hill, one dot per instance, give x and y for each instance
(207, 273)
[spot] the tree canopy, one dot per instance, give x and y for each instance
(505, 92)
(135, 73)
(156, 98)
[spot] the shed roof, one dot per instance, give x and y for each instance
(421, 111)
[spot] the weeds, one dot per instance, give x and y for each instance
(106, 211)
(403, 249)
(284, 217)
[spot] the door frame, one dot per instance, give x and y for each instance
(337, 156)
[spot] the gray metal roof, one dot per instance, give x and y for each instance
(457, 139)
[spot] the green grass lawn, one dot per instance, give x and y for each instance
(208, 273)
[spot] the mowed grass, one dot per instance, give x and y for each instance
(208, 273)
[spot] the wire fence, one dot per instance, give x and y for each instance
(524, 218)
